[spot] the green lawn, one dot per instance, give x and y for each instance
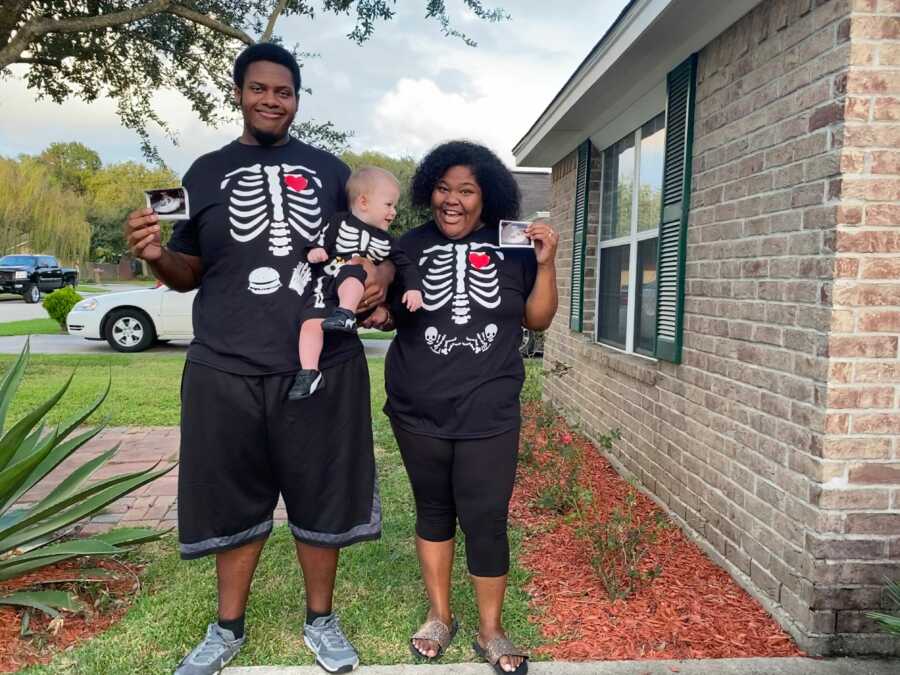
(145, 387)
(379, 594)
(30, 327)
(377, 335)
(91, 289)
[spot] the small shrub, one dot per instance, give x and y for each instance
(565, 497)
(60, 302)
(526, 452)
(620, 544)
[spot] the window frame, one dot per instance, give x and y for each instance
(632, 239)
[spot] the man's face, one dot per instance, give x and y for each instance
(268, 101)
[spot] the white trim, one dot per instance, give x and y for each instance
(652, 359)
(634, 56)
(632, 239)
(610, 49)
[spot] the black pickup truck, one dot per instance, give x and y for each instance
(30, 275)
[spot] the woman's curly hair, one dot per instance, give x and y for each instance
(499, 190)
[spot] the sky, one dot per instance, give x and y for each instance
(402, 92)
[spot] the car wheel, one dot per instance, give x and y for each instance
(129, 330)
(526, 346)
(32, 294)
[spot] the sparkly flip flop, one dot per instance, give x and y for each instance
(436, 631)
(496, 649)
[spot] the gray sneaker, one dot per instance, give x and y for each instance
(332, 648)
(212, 654)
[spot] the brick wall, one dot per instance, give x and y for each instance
(774, 440)
(860, 541)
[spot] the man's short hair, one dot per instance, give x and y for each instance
(265, 51)
(365, 178)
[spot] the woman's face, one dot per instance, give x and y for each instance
(456, 202)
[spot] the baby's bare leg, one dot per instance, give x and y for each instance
(350, 292)
(311, 340)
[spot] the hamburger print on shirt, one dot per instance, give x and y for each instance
(254, 208)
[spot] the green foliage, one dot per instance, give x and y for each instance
(130, 51)
(60, 302)
(111, 193)
(407, 217)
(71, 164)
(620, 543)
(533, 387)
(565, 495)
(38, 214)
(889, 622)
(322, 135)
(34, 536)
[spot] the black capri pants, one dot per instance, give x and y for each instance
(468, 479)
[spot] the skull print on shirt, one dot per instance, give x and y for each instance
(280, 200)
(454, 277)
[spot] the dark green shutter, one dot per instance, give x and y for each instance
(579, 240)
(676, 203)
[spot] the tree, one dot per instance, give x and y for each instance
(71, 164)
(39, 215)
(407, 217)
(111, 193)
(129, 49)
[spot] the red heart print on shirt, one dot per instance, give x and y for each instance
(479, 260)
(296, 183)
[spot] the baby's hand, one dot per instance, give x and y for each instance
(412, 300)
(317, 255)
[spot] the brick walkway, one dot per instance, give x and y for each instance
(154, 504)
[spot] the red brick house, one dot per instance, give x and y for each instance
(726, 181)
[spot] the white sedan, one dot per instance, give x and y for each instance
(132, 321)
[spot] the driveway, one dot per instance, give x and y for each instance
(14, 308)
(72, 344)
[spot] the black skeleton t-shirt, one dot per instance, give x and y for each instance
(253, 208)
(346, 237)
(454, 369)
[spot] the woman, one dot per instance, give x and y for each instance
(453, 378)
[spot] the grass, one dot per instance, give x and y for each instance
(377, 335)
(30, 327)
(145, 387)
(91, 289)
(379, 592)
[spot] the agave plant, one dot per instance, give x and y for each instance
(37, 535)
(889, 622)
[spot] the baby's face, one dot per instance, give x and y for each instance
(378, 207)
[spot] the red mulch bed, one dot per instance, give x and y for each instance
(692, 610)
(105, 600)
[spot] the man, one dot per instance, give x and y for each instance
(254, 203)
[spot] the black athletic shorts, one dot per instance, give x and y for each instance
(243, 443)
(322, 302)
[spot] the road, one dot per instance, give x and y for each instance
(13, 308)
(72, 344)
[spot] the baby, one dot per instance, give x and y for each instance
(339, 285)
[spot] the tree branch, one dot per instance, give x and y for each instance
(270, 26)
(13, 50)
(37, 27)
(214, 24)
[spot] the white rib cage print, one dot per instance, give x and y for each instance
(352, 240)
(460, 274)
(275, 199)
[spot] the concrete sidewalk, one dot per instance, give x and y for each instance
(783, 666)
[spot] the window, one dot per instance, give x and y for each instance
(630, 209)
